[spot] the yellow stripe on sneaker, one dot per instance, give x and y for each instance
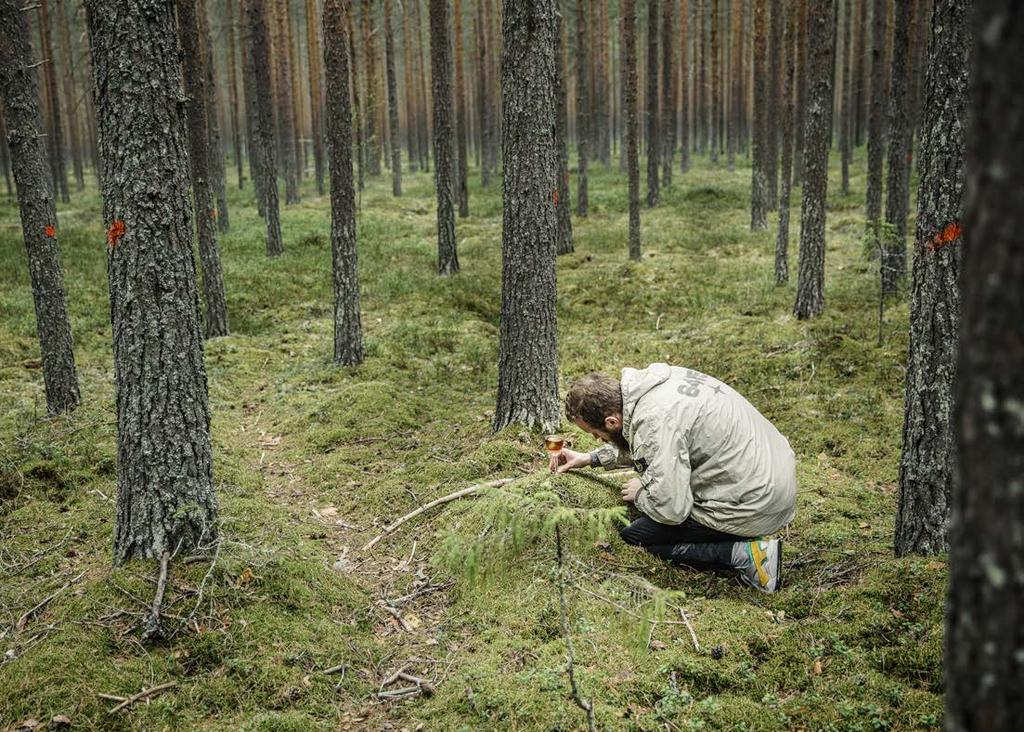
(759, 557)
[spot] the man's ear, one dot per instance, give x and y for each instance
(613, 423)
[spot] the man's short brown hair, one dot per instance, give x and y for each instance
(593, 398)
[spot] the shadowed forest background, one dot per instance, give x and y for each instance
(343, 397)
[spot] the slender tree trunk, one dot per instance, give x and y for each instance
(409, 79)
(602, 89)
(790, 48)
(70, 97)
(632, 125)
(263, 124)
(5, 153)
(252, 129)
(528, 358)
(583, 128)
(700, 112)
(926, 465)
(759, 178)
(316, 95)
(894, 261)
(735, 85)
(461, 152)
(236, 137)
(393, 129)
(810, 293)
(668, 102)
(424, 117)
(860, 80)
(215, 150)
(774, 106)
(373, 126)
(984, 641)
(801, 92)
(194, 78)
(684, 85)
(357, 106)
(876, 127)
(560, 180)
(444, 162)
(166, 501)
(58, 161)
(20, 91)
(653, 142)
(348, 331)
(285, 115)
(845, 121)
(714, 81)
(298, 113)
(483, 65)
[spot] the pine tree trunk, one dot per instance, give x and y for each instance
(787, 107)
(600, 123)
(700, 63)
(684, 85)
(735, 86)
(483, 65)
(668, 102)
(393, 129)
(444, 153)
(285, 115)
(560, 180)
(461, 151)
(236, 136)
(372, 99)
(528, 358)
(409, 80)
(653, 141)
(194, 79)
(845, 124)
(215, 151)
(860, 81)
(316, 96)
(801, 92)
(298, 114)
(70, 97)
(58, 161)
(810, 293)
(5, 153)
(425, 131)
(265, 170)
(984, 640)
(876, 127)
(774, 103)
(166, 500)
(252, 134)
(348, 331)
(714, 81)
(583, 129)
(926, 465)
(894, 260)
(632, 124)
(357, 103)
(759, 177)
(20, 91)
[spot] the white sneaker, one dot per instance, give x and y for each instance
(759, 563)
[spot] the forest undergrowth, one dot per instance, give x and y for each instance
(287, 624)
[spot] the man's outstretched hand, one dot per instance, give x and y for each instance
(630, 490)
(566, 459)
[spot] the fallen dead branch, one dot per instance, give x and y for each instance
(144, 694)
(152, 629)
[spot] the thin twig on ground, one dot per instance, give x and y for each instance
(152, 628)
(584, 704)
(689, 627)
(30, 613)
(145, 694)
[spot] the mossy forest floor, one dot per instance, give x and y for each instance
(312, 460)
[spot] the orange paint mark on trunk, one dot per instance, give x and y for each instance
(50, 230)
(950, 234)
(554, 196)
(115, 233)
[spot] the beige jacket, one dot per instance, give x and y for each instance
(702, 450)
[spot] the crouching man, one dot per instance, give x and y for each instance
(716, 477)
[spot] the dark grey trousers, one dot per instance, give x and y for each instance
(690, 543)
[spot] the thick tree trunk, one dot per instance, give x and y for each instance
(759, 175)
(926, 465)
(845, 121)
(984, 638)
(166, 500)
(668, 101)
(236, 137)
(444, 162)
(894, 259)
(285, 115)
(583, 127)
(560, 181)
(70, 97)
(461, 162)
(684, 85)
(876, 127)
(810, 292)
(787, 107)
(372, 99)
(316, 122)
(348, 331)
(263, 125)
(653, 141)
(215, 150)
(528, 358)
(393, 129)
(58, 161)
(632, 124)
(194, 78)
(20, 91)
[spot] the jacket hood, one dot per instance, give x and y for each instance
(635, 385)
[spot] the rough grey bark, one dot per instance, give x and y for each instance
(787, 107)
(444, 153)
(684, 86)
(285, 102)
(801, 92)
(20, 91)
(876, 126)
(583, 131)
(894, 245)
(348, 331)
(483, 65)
(735, 86)
(55, 132)
(251, 111)
(236, 132)
(759, 164)
(632, 124)
(215, 150)
(67, 80)
(984, 636)
(357, 103)
(528, 354)
(166, 500)
(560, 182)
(926, 464)
(263, 125)
(5, 153)
(461, 161)
(196, 117)
(653, 139)
(393, 129)
(668, 87)
(860, 58)
(810, 291)
(316, 110)
(773, 118)
(845, 121)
